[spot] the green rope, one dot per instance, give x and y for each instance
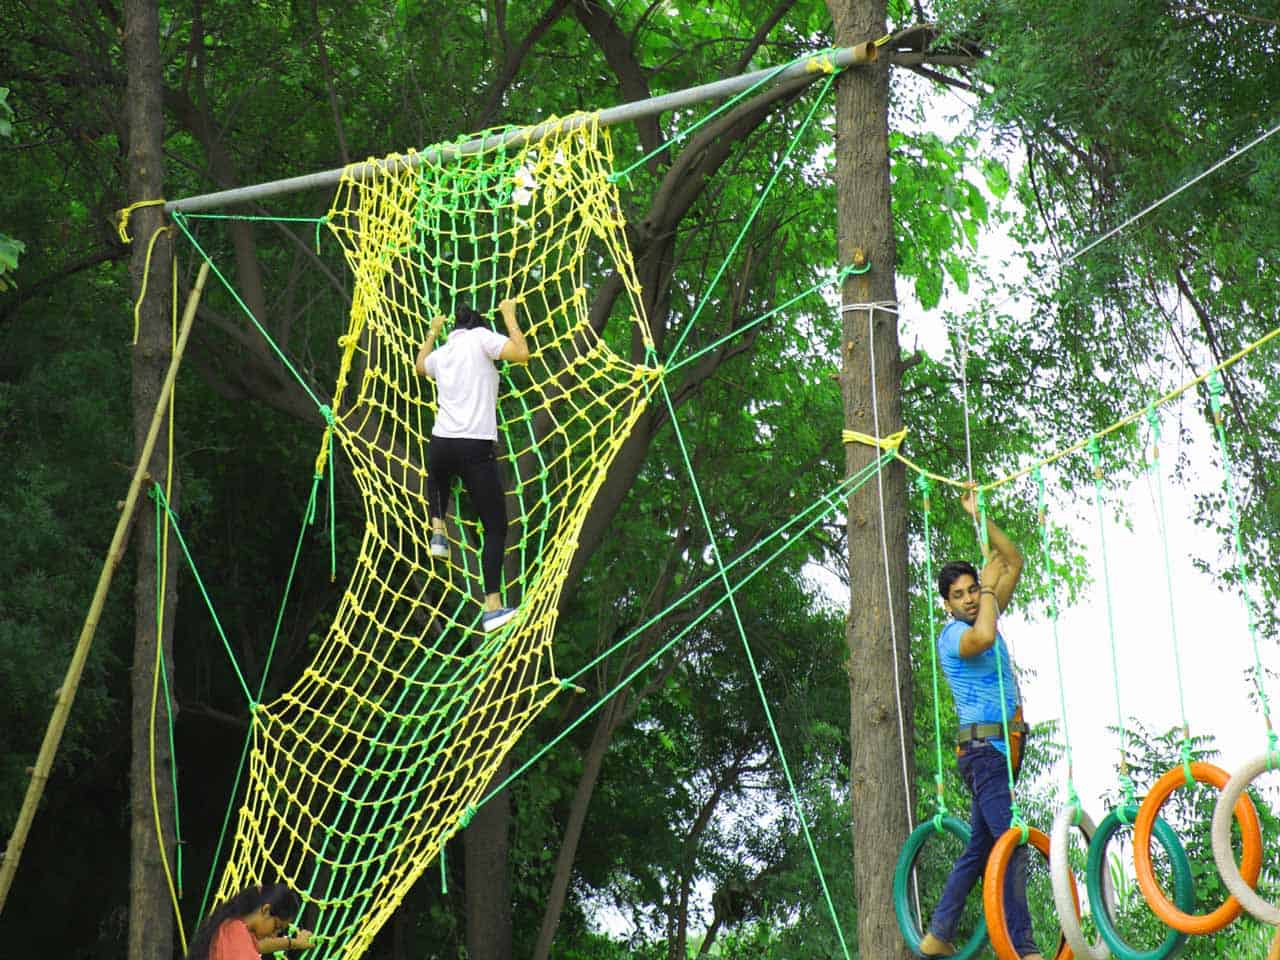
(827, 500)
(924, 485)
(245, 216)
(1046, 554)
(755, 210)
(180, 219)
(168, 699)
(177, 531)
(1242, 569)
(738, 331)
(1153, 467)
(1015, 811)
(308, 514)
(742, 633)
(833, 501)
(686, 132)
(1095, 454)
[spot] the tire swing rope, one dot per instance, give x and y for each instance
(941, 822)
(1097, 875)
(1066, 896)
(1186, 775)
(1019, 832)
(1269, 759)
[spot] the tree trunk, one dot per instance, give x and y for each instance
(488, 873)
(865, 217)
(610, 716)
(150, 911)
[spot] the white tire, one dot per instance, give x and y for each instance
(1064, 884)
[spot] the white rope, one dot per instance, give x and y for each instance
(1147, 209)
(891, 307)
(884, 552)
(888, 306)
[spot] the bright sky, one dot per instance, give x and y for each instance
(1210, 626)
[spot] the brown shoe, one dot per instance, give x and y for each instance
(932, 946)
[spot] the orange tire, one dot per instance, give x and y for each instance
(993, 892)
(1250, 863)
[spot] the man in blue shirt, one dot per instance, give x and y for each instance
(976, 662)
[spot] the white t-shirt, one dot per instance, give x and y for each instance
(466, 383)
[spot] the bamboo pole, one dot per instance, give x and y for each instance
(70, 684)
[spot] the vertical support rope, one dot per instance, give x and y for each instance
(1046, 556)
(1126, 783)
(1153, 420)
(924, 485)
(1242, 569)
(742, 633)
(884, 554)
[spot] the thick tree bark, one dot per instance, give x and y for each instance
(865, 218)
(150, 913)
(488, 873)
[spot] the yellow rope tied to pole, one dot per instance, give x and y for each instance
(146, 275)
(822, 64)
(891, 442)
(122, 217)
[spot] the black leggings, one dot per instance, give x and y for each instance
(474, 461)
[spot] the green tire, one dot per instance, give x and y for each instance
(911, 931)
(1096, 867)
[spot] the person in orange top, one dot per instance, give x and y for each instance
(253, 922)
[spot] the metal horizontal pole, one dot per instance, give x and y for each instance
(623, 113)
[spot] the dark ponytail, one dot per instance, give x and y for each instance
(283, 902)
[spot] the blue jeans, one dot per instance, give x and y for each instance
(986, 775)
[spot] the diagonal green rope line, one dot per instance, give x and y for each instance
(181, 220)
(755, 673)
(751, 217)
(685, 132)
(751, 324)
(158, 492)
(308, 518)
(178, 842)
(829, 502)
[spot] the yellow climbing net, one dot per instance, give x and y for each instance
(393, 734)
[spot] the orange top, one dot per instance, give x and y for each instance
(233, 941)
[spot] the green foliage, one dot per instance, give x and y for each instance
(9, 247)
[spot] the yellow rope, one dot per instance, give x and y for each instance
(146, 275)
(821, 64)
(1105, 431)
(161, 591)
(891, 442)
(122, 217)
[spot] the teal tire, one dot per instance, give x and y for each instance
(1184, 894)
(911, 931)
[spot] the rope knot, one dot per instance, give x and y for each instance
(891, 442)
(123, 215)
